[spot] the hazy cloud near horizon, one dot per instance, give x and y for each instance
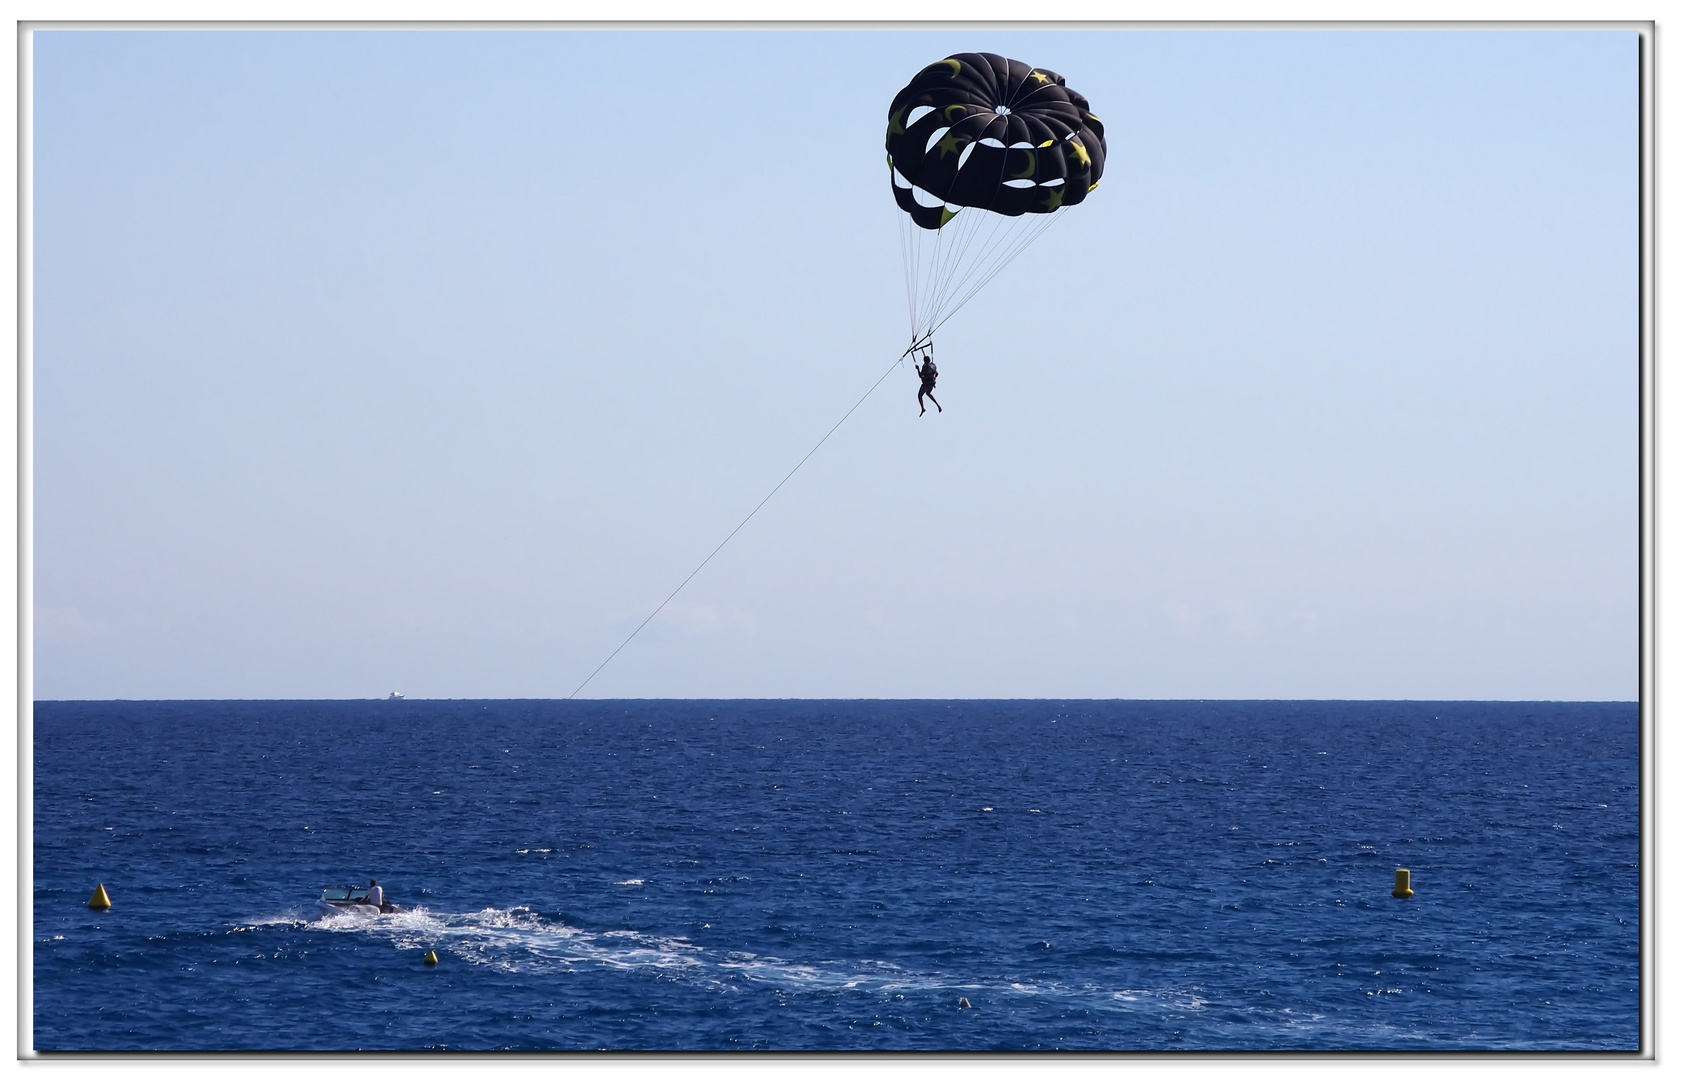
(433, 361)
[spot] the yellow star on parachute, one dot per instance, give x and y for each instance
(1053, 199)
(952, 144)
(1041, 77)
(1080, 153)
(895, 127)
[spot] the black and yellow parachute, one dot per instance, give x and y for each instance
(980, 132)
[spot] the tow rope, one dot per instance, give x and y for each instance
(744, 521)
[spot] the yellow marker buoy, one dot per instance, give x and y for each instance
(431, 958)
(1404, 885)
(101, 900)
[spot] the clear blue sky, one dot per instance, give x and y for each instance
(433, 361)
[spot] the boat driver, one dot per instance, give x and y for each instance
(376, 895)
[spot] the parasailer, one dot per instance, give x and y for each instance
(984, 153)
(927, 375)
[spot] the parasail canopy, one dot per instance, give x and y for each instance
(979, 130)
(1009, 143)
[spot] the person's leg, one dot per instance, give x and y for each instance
(937, 407)
(921, 408)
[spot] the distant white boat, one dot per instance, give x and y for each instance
(396, 695)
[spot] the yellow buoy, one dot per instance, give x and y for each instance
(431, 958)
(101, 900)
(1404, 885)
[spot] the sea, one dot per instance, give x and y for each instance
(800, 875)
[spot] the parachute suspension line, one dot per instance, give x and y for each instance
(946, 255)
(962, 257)
(910, 252)
(1016, 244)
(1007, 243)
(925, 286)
(925, 246)
(1004, 230)
(1015, 240)
(738, 528)
(965, 228)
(952, 279)
(925, 262)
(906, 258)
(920, 255)
(945, 270)
(963, 231)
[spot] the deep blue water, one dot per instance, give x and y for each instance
(837, 874)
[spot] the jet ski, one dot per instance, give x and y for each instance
(346, 900)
